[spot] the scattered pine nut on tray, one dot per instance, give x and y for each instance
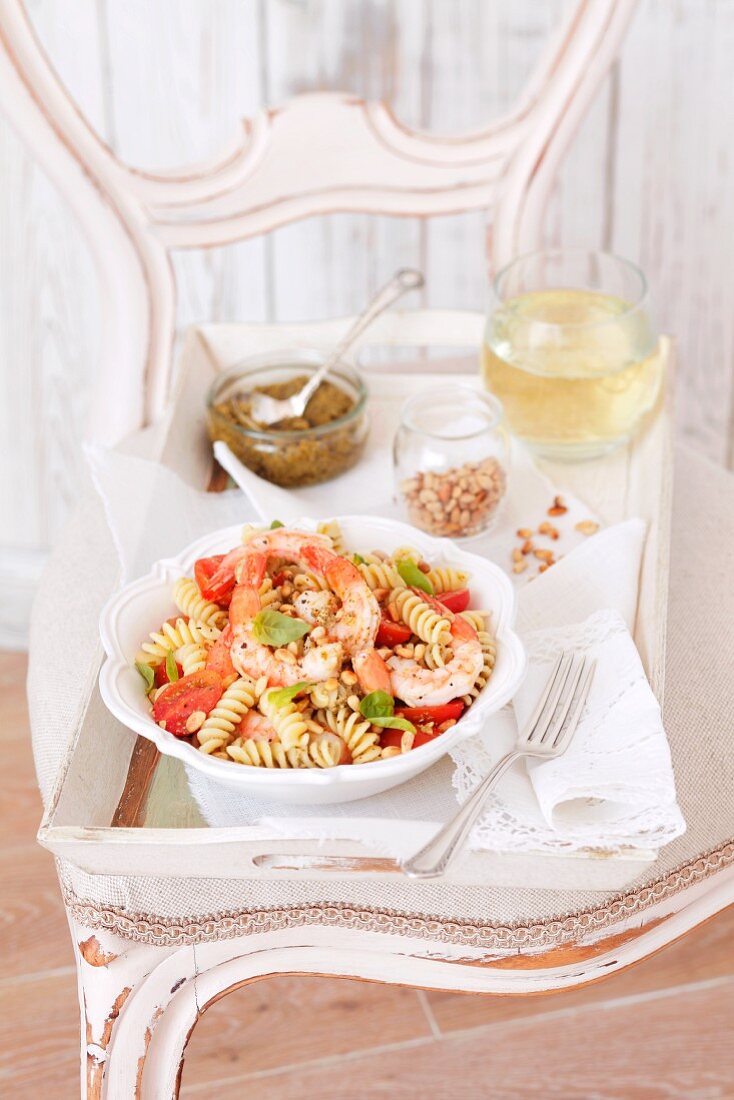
(558, 508)
(459, 501)
(545, 530)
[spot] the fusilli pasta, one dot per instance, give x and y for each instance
(287, 720)
(381, 574)
(360, 737)
(189, 601)
(192, 658)
(477, 619)
(436, 656)
(173, 636)
(430, 627)
(331, 528)
(489, 653)
(445, 578)
(221, 722)
(266, 754)
(328, 694)
(214, 746)
(325, 751)
(430, 656)
(403, 553)
(268, 594)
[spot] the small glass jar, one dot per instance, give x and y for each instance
(290, 457)
(451, 458)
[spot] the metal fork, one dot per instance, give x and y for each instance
(547, 734)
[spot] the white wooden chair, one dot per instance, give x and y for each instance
(133, 219)
(143, 982)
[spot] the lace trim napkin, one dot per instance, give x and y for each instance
(600, 796)
(614, 785)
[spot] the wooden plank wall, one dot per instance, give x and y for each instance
(649, 175)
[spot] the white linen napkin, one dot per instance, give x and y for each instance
(615, 788)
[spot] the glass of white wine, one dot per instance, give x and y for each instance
(571, 352)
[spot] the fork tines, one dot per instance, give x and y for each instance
(559, 708)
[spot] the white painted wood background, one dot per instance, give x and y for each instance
(164, 81)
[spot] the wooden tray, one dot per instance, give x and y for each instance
(134, 815)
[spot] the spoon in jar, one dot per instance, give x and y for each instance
(267, 410)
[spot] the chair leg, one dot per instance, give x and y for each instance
(138, 1007)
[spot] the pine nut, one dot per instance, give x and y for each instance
(195, 721)
(558, 508)
(459, 501)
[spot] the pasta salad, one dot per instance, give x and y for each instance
(296, 651)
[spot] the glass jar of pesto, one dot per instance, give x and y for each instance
(325, 442)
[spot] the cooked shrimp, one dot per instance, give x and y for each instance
(351, 629)
(317, 608)
(278, 543)
(419, 686)
(372, 672)
(255, 659)
(252, 658)
(358, 618)
(256, 727)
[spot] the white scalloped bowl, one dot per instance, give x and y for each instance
(140, 607)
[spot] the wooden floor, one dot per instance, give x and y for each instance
(663, 1029)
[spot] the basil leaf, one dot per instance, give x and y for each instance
(147, 673)
(392, 723)
(413, 577)
(272, 628)
(357, 559)
(275, 524)
(378, 704)
(280, 696)
(171, 667)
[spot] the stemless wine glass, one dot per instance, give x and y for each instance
(571, 352)
(451, 460)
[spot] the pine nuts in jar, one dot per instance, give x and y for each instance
(451, 460)
(461, 501)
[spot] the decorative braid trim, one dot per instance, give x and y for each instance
(553, 932)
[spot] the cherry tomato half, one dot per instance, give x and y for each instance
(456, 601)
(161, 675)
(205, 570)
(393, 738)
(420, 715)
(392, 634)
(199, 691)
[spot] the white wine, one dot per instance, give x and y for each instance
(575, 369)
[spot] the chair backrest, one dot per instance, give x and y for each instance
(352, 155)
